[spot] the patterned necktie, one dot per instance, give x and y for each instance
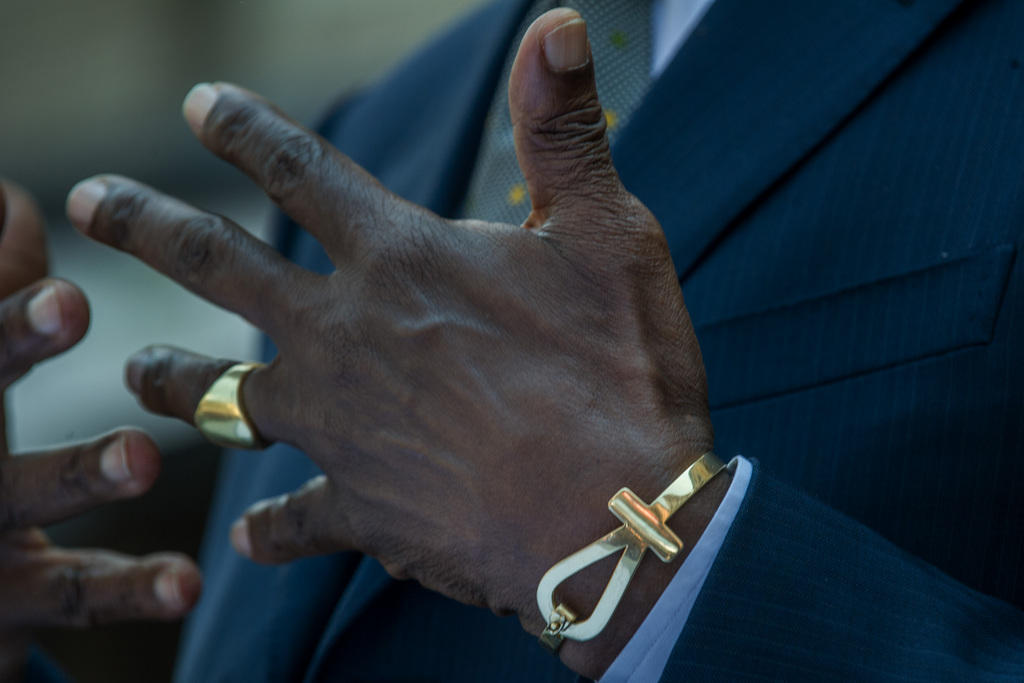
(620, 41)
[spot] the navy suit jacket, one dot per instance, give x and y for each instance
(842, 188)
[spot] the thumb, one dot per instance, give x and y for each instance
(558, 122)
(282, 529)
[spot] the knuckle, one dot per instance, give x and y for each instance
(200, 245)
(73, 475)
(290, 164)
(231, 126)
(69, 590)
(581, 129)
(573, 146)
(122, 209)
(155, 373)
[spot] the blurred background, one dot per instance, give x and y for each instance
(92, 87)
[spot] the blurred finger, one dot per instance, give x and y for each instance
(37, 489)
(170, 381)
(311, 181)
(208, 254)
(37, 323)
(297, 524)
(23, 258)
(86, 588)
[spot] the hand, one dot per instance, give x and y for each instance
(40, 584)
(473, 392)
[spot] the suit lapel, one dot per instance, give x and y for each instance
(755, 88)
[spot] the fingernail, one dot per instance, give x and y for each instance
(134, 371)
(566, 46)
(198, 104)
(44, 311)
(168, 588)
(82, 202)
(114, 462)
(240, 537)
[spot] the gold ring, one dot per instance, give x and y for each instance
(221, 416)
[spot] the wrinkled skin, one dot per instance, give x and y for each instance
(41, 584)
(473, 392)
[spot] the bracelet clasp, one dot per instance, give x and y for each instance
(643, 526)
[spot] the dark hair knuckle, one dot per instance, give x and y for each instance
(289, 165)
(70, 591)
(199, 239)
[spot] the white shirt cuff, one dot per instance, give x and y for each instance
(647, 652)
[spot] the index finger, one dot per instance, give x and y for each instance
(318, 186)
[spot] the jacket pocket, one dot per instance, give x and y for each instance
(868, 327)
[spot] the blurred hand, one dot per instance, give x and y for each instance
(40, 584)
(474, 392)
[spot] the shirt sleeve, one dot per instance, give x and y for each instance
(647, 652)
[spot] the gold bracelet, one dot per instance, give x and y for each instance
(643, 526)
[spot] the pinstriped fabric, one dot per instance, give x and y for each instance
(895, 396)
(929, 451)
(899, 190)
(813, 595)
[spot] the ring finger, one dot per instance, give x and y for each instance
(170, 381)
